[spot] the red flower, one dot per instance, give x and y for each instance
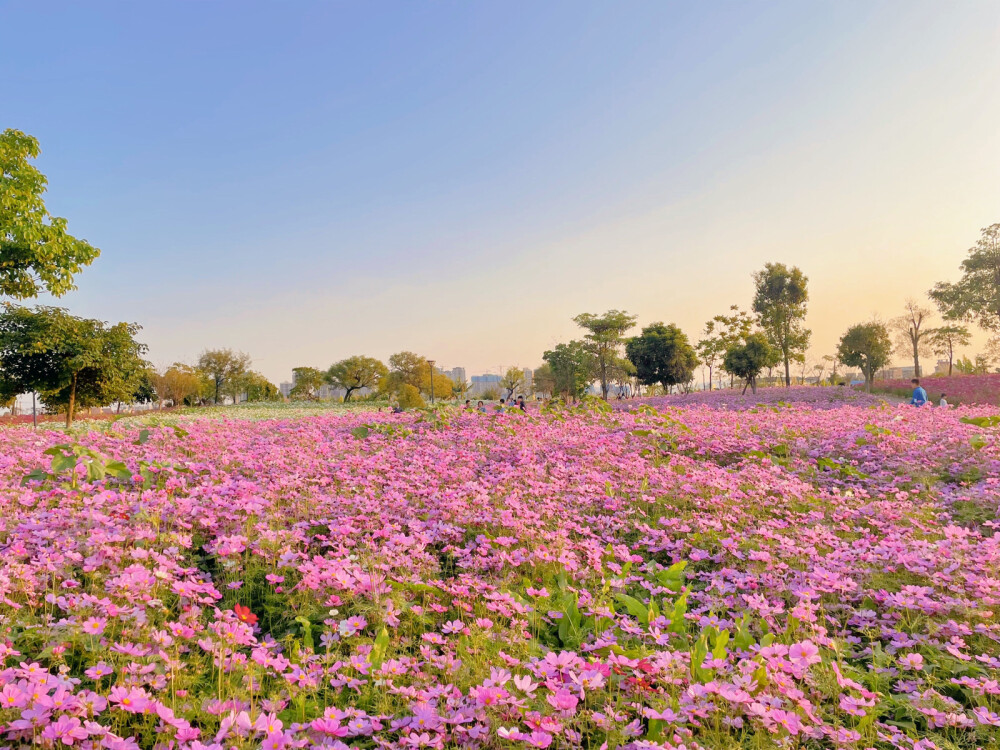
(245, 615)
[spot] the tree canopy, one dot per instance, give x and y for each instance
(946, 339)
(36, 252)
(780, 304)
(72, 362)
(976, 296)
(747, 359)
(605, 338)
(224, 367)
(866, 345)
(572, 367)
(662, 354)
(355, 373)
(308, 381)
(512, 380)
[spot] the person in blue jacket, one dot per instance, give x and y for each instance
(919, 394)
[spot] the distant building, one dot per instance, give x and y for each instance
(941, 367)
(457, 374)
(286, 388)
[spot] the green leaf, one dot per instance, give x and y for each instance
(377, 655)
(978, 442)
(95, 470)
(719, 648)
(118, 470)
(62, 462)
(143, 437)
(361, 432)
(35, 475)
(307, 636)
(637, 609)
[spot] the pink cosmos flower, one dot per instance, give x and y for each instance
(66, 729)
(804, 654)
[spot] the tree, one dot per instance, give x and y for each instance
(354, 373)
(710, 349)
(622, 373)
(443, 385)
(36, 252)
(409, 397)
(460, 387)
(512, 380)
(976, 296)
(662, 354)
(178, 384)
(544, 379)
(866, 345)
(723, 332)
(72, 362)
(145, 389)
(258, 388)
(307, 382)
(572, 366)
(605, 337)
(780, 304)
(913, 337)
(746, 360)
(407, 367)
(946, 339)
(223, 366)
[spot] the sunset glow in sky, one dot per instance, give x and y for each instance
(312, 180)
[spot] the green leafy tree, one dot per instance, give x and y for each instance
(780, 303)
(407, 367)
(622, 373)
(355, 373)
(866, 345)
(572, 366)
(36, 252)
(747, 359)
(946, 339)
(544, 380)
(258, 388)
(723, 332)
(224, 367)
(605, 338)
(976, 296)
(72, 362)
(178, 384)
(512, 380)
(408, 397)
(307, 383)
(913, 336)
(662, 354)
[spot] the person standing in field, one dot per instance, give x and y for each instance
(919, 394)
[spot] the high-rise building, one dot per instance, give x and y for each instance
(457, 374)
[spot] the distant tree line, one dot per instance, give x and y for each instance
(75, 363)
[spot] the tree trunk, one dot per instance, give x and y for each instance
(916, 358)
(710, 377)
(788, 374)
(72, 402)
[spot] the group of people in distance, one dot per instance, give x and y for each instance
(920, 395)
(501, 406)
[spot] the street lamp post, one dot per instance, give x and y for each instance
(431, 363)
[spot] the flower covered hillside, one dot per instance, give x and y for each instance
(778, 576)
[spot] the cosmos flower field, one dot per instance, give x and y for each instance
(794, 571)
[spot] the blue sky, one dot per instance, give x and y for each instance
(307, 181)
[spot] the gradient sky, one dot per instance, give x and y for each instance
(309, 180)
